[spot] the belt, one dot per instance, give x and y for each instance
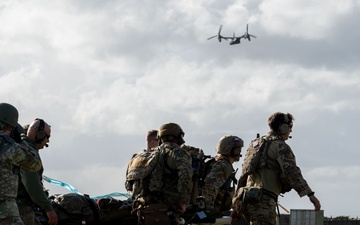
(270, 194)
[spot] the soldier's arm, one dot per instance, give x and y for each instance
(185, 174)
(291, 172)
(26, 157)
(34, 187)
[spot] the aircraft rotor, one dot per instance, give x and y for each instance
(218, 35)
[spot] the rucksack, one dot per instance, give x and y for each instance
(143, 166)
(224, 197)
(205, 168)
(254, 159)
(73, 208)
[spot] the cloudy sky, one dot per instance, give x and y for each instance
(102, 73)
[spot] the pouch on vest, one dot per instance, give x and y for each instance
(155, 214)
(253, 195)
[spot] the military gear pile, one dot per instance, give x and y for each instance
(142, 166)
(73, 208)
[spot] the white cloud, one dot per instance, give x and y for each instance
(306, 19)
(335, 173)
(102, 74)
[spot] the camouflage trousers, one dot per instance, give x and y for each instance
(262, 212)
(9, 213)
(28, 216)
(155, 214)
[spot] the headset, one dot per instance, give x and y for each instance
(235, 151)
(284, 128)
(40, 133)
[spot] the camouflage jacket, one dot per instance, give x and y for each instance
(13, 155)
(214, 190)
(280, 173)
(31, 190)
(177, 176)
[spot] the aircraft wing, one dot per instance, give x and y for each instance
(227, 38)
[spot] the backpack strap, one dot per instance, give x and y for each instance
(264, 154)
(269, 162)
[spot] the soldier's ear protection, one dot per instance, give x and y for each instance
(40, 133)
(284, 128)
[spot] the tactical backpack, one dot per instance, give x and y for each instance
(255, 158)
(143, 166)
(205, 169)
(228, 187)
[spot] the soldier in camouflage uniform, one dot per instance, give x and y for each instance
(31, 190)
(217, 189)
(12, 156)
(164, 206)
(279, 174)
(152, 141)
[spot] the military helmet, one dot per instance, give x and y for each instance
(9, 114)
(227, 143)
(171, 130)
